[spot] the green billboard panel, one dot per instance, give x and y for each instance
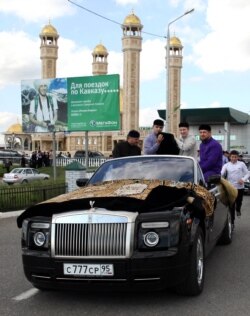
(71, 104)
(93, 103)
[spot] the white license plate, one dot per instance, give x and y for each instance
(88, 269)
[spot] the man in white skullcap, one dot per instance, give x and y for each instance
(43, 108)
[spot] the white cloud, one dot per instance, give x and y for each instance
(152, 59)
(7, 119)
(149, 114)
(226, 47)
(195, 79)
(215, 104)
(25, 63)
(198, 5)
(73, 61)
(34, 11)
(17, 64)
(115, 64)
(125, 2)
(76, 61)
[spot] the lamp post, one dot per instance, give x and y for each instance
(168, 68)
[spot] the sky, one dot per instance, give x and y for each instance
(215, 37)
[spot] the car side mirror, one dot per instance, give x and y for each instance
(81, 182)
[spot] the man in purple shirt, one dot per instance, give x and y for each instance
(210, 152)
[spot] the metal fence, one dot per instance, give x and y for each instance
(92, 162)
(18, 198)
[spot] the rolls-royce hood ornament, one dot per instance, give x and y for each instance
(92, 206)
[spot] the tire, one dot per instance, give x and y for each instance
(227, 233)
(24, 181)
(194, 283)
(46, 178)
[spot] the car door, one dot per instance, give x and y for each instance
(219, 216)
(29, 174)
(36, 175)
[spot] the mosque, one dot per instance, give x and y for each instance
(129, 99)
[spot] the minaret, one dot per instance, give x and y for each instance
(174, 89)
(100, 61)
(49, 51)
(131, 47)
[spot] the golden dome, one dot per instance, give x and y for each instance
(15, 128)
(132, 19)
(174, 41)
(100, 50)
(49, 30)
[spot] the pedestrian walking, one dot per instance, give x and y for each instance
(236, 172)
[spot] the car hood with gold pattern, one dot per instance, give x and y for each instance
(130, 195)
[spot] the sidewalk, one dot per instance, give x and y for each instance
(10, 214)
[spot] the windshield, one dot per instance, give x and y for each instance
(146, 167)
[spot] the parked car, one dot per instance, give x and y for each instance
(91, 154)
(24, 175)
(139, 222)
(62, 156)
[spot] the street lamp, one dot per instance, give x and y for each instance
(168, 66)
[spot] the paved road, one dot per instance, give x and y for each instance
(227, 287)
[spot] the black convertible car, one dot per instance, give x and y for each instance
(139, 222)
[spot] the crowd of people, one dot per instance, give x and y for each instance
(40, 159)
(212, 159)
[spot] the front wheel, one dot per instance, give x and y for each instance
(193, 285)
(227, 233)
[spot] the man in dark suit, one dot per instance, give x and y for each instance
(129, 147)
(168, 146)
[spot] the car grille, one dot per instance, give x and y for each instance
(92, 240)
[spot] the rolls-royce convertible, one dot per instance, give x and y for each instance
(142, 222)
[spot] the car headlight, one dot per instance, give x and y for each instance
(154, 235)
(39, 239)
(151, 239)
(39, 235)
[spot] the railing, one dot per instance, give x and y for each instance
(17, 198)
(92, 162)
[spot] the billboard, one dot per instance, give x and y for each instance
(71, 104)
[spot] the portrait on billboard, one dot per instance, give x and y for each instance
(44, 105)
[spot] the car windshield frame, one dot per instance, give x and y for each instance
(175, 168)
